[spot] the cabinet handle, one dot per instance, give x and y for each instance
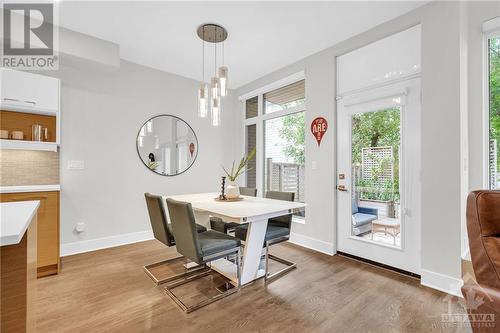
(19, 101)
(31, 199)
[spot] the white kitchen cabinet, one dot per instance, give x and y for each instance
(27, 99)
(27, 92)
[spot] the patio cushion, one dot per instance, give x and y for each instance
(359, 219)
(213, 242)
(354, 206)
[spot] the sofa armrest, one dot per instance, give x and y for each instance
(366, 210)
(490, 298)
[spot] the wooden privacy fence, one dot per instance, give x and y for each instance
(286, 177)
(493, 164)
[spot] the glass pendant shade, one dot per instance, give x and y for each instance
(149, 126)
(215, 111)
(140, 139)
(215, 87)
(203, 100)
(223, 71)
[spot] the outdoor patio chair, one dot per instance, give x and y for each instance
(362, 218)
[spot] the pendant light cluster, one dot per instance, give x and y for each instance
(209, 99)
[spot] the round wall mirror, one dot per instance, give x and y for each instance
(167, 145)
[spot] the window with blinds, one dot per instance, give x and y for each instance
(251, 143)
(290, 96)
(281, 141)
(252, 107)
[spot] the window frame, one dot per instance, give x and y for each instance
(494, 33)
(259, 122)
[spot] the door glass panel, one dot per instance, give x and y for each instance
(284, 145)
(494, 84)
(376, 138)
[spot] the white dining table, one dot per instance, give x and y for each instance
(252, 210)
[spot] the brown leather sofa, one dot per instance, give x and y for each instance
(483, 227)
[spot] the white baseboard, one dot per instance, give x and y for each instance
(123, 239)
(105, 242)
(312, 243)
(441, 282)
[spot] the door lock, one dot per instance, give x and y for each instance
(341, 188)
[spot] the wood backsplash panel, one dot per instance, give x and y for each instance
(28, 167)
(18, 121)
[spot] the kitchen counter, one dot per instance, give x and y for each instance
(30, 188)
(18, 264)
(15, 219)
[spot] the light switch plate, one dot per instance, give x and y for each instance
(76, 165)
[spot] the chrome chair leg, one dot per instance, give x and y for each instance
(187, 270)
(267, 261)
(238, 267)
(289, 264)
(187, 278)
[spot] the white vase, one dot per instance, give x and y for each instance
(232, 191)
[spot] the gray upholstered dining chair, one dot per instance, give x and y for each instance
(201, 248)
(216, 223)
(278, 230)
(163, 232)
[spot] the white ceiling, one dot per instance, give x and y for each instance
(263, 36)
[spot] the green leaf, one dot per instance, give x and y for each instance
(241, 166)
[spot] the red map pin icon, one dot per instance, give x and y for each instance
(318, 128)
(191, 149)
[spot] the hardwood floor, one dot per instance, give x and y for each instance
(107, 291)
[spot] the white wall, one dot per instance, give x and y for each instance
(442, 71)
(102, 111)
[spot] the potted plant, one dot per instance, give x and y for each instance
(232, 189)
(153, 165)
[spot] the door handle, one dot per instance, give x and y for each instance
(341, 188)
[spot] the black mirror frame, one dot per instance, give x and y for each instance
(178, 118)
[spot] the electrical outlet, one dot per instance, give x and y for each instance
(80, 227)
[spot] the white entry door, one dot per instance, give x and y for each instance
(378, 175)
